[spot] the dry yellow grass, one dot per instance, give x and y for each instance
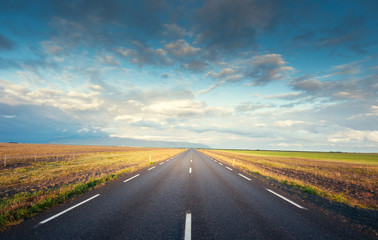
(29, 185)
(347, 182)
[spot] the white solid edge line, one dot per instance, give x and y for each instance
(161, 163)
(131, 178)
(151, 168)
(229, 168)
(288, 200)
(188, 226)
(190, 170)
(68, 209)
(244, 177)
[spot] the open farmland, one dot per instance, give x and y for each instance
(349, 178)
(36, 176)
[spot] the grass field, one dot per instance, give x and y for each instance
(357, 158)
(36, 176)
(350, 178)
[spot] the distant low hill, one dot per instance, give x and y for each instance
(115, 141)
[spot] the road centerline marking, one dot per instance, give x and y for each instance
(220, 163)
(244, 177)
(288, 200)
(151, 168)
(190, 170)
(229, 168)
(68, 209)
(161, 163)
(188, 226)
(131, 178)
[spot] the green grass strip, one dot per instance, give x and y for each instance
(358, 158)
(32, 203)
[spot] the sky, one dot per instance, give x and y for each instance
(249, 74)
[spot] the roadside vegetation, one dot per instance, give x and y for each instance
(34, 177)
(349, 178)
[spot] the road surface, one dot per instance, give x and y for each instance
(190, 196)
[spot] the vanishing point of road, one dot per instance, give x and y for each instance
(190, 196)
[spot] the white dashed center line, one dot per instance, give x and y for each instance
(151, 168)
(161, 163)
(190, 170)
(220, 163)
(229, 168)
(69, 209)
(131, 178)
(244, 177)
(188, 227)
(288, 200)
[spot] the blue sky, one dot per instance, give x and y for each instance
(295, 75)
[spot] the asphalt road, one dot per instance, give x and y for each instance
(188, 197)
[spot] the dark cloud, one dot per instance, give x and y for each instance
(5, 43)
(260, 70)
(350, 30)
(229, 25)
(135, 20)
(340, 84)
(307, 84)
(268, 68)
(167, 75)
(322, 27)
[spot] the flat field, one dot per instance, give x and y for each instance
(350, 178)
(34, 177)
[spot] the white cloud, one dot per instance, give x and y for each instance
(308, 84)
(183, 108)
(211, 88)
(225, 75)
(349, 95)
(181, 48)
(287, 145)
(52, 48)
(143, 54)
(289, 123)
(174, 30)
(352, 68)
(287, 96)
(109, 59)
(9, 116)
(351, 135)
(15, 94)
(374, 111)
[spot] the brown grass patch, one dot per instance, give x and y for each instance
(37, 176)
(350, 183)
